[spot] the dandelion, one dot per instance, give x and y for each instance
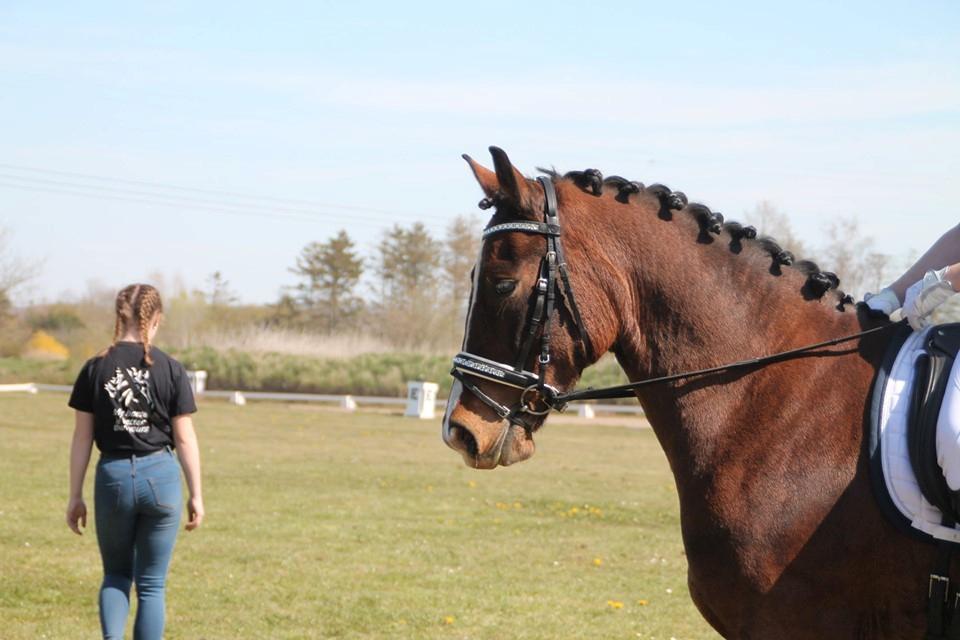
(449, 619)
(614, 604)
(598, 562)
(643, 602)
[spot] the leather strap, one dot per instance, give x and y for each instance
(552, 217)
(539, 228)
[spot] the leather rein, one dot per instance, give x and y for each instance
(537, 398)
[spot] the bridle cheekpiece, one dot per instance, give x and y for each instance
(553, 277)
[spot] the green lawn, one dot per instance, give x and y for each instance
(330, 525)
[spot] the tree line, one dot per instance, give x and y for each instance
(409, 293)
(414, 294)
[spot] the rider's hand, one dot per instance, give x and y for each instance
(925, 296)
(76, 515)
(885, 302)
(194, 512)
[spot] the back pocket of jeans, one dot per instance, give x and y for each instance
(107, 497)
(166, 493)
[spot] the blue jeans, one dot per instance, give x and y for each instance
(137, 506)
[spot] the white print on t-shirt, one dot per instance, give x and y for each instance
(131, 399)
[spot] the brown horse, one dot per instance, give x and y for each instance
(782, 533)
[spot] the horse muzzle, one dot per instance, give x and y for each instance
(484, 438)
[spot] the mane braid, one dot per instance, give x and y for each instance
(818, 282)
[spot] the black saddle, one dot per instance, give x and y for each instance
(932, 373)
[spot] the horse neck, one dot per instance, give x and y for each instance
(694, 303)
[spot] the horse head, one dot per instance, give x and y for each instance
(522, 312)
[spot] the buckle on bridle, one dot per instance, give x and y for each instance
(542, 285)
(544, 394)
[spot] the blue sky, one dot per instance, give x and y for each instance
(361, 111)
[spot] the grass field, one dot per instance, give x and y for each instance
(330, 525)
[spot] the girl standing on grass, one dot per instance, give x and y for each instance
(135, 402)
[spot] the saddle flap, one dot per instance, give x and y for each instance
(945, 339)
(932, 372)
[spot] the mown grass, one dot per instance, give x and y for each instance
(19, 370)
(330, 525)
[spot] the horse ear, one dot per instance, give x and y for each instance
(513, 184)
(486, 178)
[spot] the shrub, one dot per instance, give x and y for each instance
(44, 346)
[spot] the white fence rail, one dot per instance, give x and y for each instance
(346, 402)
(18, 388)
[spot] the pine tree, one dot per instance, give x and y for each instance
(408, 270)
(330, 272)
(218, 293)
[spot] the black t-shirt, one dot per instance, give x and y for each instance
(132, 404)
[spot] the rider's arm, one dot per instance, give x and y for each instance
(944, 253)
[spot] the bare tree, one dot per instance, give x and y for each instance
(14, 272)
(849, 253)
(772, 222)
(879, 271)
(460, 249)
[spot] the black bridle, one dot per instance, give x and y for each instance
(553, 277)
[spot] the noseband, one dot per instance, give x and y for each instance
(553, 278)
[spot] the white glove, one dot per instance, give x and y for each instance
(885, 302)
(925, 296)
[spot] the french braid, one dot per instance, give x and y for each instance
(147, 307)
(140, 304)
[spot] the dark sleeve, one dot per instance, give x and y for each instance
(81, 398)
(183, 401)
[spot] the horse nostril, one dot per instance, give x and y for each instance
(462, 440)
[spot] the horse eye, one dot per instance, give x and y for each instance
(506, 286)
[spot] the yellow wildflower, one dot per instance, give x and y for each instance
(449, 619)
(642, 602)
(614, 604)
(598, 562)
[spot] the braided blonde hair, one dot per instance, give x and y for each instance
(138, 305)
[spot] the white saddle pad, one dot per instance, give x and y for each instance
(897, 470)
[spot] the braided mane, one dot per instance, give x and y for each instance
(818, 282)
